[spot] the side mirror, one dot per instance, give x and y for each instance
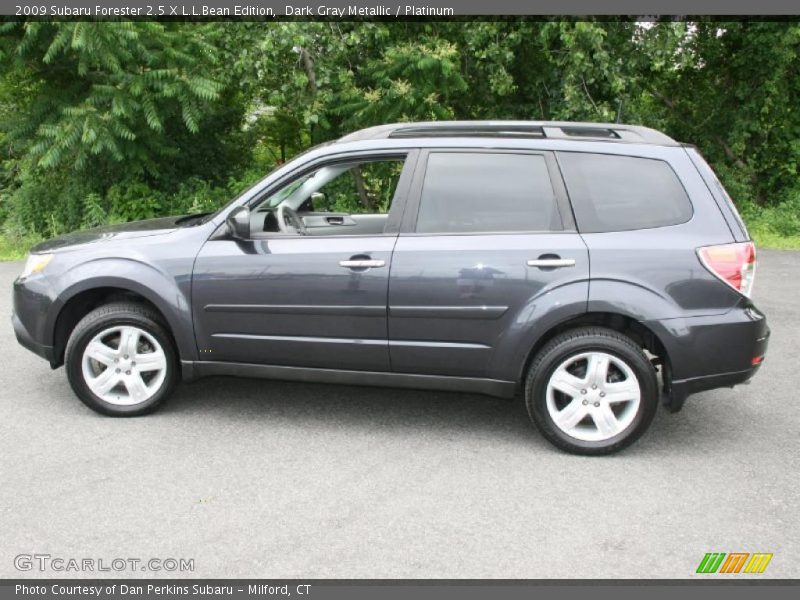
(239, 223)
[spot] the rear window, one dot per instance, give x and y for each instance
(621, 193)
(468, 192)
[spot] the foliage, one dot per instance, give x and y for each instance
(111, 121)
(104, 91)
(14, 246)
(764, 238)
(366, 188)
(776, 221)
(734, 93)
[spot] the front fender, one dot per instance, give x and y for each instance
(158, 287)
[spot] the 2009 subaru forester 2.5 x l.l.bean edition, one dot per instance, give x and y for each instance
(567, 261)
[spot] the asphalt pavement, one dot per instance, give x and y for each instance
(254, 478)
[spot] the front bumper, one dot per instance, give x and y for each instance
(24, 338)
(30, 316)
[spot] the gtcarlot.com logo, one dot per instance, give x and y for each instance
(59, 564)
(734, 562)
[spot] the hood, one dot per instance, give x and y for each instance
(123, 231)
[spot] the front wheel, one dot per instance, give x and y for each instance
(591, 391)
(120, 361)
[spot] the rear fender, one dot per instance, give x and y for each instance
(534, 320)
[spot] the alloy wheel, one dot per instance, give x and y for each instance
(124, 365)
(593, 396)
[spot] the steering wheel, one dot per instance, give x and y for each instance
(289, 221)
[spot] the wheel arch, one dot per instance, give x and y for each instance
(640, 333)
(83, 296)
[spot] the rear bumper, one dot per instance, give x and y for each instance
(679, 391)
(712, 352)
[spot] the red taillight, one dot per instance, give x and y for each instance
(735, 264)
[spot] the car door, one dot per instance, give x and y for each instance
(316, 300)
(488, 256)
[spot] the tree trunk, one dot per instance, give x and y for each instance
(363, 195)
(308, 66)
(311, 75)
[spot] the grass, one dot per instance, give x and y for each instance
(775, 226)
(766, 238)
(13, 247)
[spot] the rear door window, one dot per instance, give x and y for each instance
(469, 192)
(622, 193)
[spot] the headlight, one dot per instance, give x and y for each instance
(35, 264)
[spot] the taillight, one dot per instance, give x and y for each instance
(735, 264)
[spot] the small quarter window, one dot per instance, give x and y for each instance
(622, 193)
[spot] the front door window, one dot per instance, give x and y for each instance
(353, 198)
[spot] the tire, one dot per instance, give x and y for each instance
(597, 420)
(120, 333)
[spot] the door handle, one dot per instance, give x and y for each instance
(362, 264)
(552, 263)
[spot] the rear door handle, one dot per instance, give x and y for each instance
(552, 263)
(362, 264)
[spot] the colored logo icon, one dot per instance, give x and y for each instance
(734, 562)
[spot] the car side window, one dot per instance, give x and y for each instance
(364, 188)
(469, 192)
(342, 198)
(623, 193)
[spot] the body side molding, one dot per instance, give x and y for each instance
(298, 309)
(341, 340)
(449, 312)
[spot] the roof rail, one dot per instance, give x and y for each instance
(515, 129)
(472, 130)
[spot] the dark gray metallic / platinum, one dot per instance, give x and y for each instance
(566, 261)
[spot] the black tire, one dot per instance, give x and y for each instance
(104, 317)
(572, 343)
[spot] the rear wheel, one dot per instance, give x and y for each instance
(591, 391)
(120, 361)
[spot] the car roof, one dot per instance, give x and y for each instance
(561, 130)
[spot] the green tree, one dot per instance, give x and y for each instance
(104, 92)
(119, 120)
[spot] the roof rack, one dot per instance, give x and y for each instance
(594, 132)
(476, 130)
(515, 129)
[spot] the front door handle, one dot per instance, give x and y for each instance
(552, 263)
(362, 263)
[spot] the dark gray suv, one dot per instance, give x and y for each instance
(571, 262)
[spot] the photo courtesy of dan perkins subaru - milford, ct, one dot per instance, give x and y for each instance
(595, 269)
